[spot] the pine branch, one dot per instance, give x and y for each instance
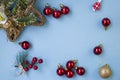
(28, 19)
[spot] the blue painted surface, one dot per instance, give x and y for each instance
(71, 37)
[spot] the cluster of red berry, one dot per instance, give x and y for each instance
(55, 12)
(69, 70)
(33, 64)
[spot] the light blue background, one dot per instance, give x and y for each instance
(71, 37)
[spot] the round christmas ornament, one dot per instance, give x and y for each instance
(25, 45)
(15, 15)
(71, 64)
(98, 50)
(24, 65)
(97, 5)
(56, 13)
(64, 9)
(106, 22)
(80, 70)
(105, 71)
(47, 10)
(60, 71)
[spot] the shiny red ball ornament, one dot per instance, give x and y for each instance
(47, 10)
(26, 69)
(106, 22)
(70, 64)
(25, 45)
(69, 73)
(97, 50)
(80, 71)
(64, 9)
(96, 6)
(56, 13)
(35, 67)
(60, 71)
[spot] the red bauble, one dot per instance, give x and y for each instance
(47, 10)
(80, 71)
(56, 13)
(69, 73)
(106, 22)
(70, 64)
(96, 6)
(40, 61)
(97, 50)
(25, 45)
(60, 71)
(35, 67)
(64, 9)
(30, 65)
(26, 69)
(34, 60)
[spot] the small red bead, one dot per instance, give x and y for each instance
(65, 10)
(25, 45)
(56, 14)
(69, 73)
(34, 60)
(35, 67)
(60, 71)
(97, 50)
(106, 22)
(70, 64)
(80, 71)
(26, 69)
(31, 65)
(40, 61)
(47, 10)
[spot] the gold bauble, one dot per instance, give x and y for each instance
(105, 71)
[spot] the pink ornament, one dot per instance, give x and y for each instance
(97, 5)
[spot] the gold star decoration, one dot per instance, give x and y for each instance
(15, 15)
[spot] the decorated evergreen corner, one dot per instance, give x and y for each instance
(23, 64)
(17, 14)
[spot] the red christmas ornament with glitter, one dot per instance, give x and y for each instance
(97, 5)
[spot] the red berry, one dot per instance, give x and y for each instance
(35, 67)
(80, 71)
(97, 50)
(47, 10)
(34, 60)
(25, 45)
(56, 13)
(69, 73)
(31, 65)
(60, 71)
(26, 62)
(40, 61)
(106, 22)
(64, 9)
(26, 69)
(70, 64)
